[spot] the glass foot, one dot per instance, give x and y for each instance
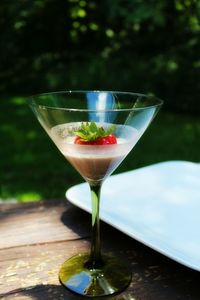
(112, 277)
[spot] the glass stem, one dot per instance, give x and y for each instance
(95, 260)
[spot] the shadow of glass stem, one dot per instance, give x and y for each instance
(51, 292)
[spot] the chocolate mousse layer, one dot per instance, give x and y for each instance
(95, 168)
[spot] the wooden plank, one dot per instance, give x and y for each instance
(31, 272)
(40, 223)
(29, 265)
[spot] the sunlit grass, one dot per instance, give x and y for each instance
(31, 167)
(29, 197)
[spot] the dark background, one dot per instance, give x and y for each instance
(130, 45)
(144, 46)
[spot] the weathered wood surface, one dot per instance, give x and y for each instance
(36, 238)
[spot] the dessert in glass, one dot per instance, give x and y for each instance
(95, 130)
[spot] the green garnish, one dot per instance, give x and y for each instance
(89, 131)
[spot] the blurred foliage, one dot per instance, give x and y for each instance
(136, 45)
(31, 168)
(146, 46)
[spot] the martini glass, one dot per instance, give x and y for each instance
(61, 114)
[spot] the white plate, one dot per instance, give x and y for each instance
(158, 205)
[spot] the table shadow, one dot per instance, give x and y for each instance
(77, 220)
(56, 292)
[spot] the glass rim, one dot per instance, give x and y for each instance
(158, 101)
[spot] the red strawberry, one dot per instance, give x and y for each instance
(106, 140)
(91, 134)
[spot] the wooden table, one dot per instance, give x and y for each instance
(36, 238)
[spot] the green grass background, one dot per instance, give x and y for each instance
(33, 169)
